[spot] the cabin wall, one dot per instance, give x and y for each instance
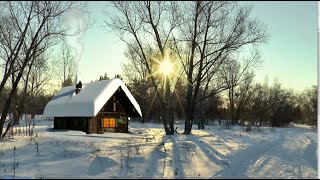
(72, 123)
(89, 125)
(124, 126)
(121, 124)
(59, 123)
(92, 125)
(113, 109)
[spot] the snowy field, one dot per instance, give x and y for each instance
(146, 152)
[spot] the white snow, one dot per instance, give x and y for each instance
(88, 101)
(15, 177)
(146, 152)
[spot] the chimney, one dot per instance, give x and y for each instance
(78, 87)
(78, 84)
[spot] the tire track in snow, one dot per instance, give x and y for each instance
(300, 146)
(286, 155)
(177, 160)
(245, 158)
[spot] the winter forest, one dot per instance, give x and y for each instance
(190, 65)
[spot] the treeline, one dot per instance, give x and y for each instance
(258, 104)
(23, 103)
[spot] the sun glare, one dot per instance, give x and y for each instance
(165, 67)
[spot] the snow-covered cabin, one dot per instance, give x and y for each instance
(98, 107)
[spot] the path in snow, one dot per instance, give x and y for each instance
(289, 154)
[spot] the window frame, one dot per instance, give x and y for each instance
(105, 120)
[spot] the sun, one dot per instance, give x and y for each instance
(165, 67)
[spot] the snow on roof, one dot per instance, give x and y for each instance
(88, 102)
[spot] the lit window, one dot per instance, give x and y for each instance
(109, 122)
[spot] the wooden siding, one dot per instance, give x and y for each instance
(108, 111)
(91, 125)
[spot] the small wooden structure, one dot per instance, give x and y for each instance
(112, 105)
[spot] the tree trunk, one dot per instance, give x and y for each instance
(171, 125)
(202, 124)
(7, 107)
(187, 128)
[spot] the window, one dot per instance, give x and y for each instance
(109, 122)
(122, 120)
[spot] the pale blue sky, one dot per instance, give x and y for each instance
(290, 55)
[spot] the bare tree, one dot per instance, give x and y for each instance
(140, 84)
(233, 73)
(146, 27)
(66, 66)
(27, 29)
(308, 99)
(134, 68)
(271, 105)
(282, 104)
(259, 106)
(202, 35)
(213, 31)
(207, 110)
(37, 75)
(243, 98)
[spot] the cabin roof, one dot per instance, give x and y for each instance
(89, 101)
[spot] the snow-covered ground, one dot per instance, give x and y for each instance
(146, 152)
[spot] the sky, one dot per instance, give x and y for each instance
(290, 55)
